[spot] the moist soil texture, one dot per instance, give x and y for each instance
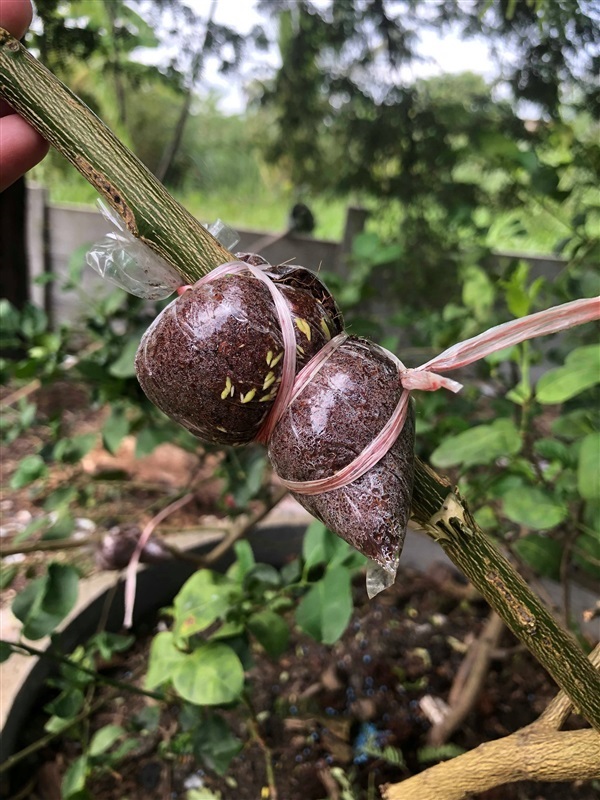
(335, 722)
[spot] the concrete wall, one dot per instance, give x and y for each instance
(59, 235)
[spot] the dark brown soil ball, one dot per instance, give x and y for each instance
(337, 414)
(212, 359)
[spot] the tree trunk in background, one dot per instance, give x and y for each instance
(14, 273)
(172, 147)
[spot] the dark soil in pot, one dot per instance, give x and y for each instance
(353, 711)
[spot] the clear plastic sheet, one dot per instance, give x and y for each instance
(127, 262)
(329, 423)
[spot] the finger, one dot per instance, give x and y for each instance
(15, 16)
(21, 148)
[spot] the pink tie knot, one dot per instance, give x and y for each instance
(427, 381)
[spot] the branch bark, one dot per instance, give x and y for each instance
(442, 513)
(533, 753)
(148, 210)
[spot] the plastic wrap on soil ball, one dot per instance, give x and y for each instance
(327, 425)
(212, 359)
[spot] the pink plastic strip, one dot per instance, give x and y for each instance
(131, 573)
(552, 320)
(288, 367)
(558, 318)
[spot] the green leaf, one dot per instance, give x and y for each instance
(124, 366)
(56, 725)
(67, 704)
(148, 439)
(244, 561)
(314, 544)
(588, 469)
(482, 444)
(533, 507)
(321, 546)
(478, 290)
(573, 425)
(553, 450)
(439, 753)
(122, 750)
(291, 572)
(368, 249)
(108, 643)
(74, 779)
(10, 322)
(581, 371)
(31, 468)
(486, 518)
(164, 658)
(214, 743)
(115, 429)
(203, 794)
(251, 478)
(586, 553)
(204, 598)
(8, 572)
(228, 630)
(104, 739)
(62, 528)
(271, 631)
(6, 651)
(60, 498)
(70, 451)
(46, 601)
(324, 612)
(260, 579)
(148, 719)
(33, 321)
(34, 526)
(211, 675)
(541, 553)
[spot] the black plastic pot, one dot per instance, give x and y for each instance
(156, 587)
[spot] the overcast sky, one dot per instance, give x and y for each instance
(441, 54)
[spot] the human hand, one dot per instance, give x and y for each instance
(21, 148)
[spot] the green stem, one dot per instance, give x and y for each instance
(60, 659)
(256, 736)
(11, 761)
(148, 210)
(438, 508)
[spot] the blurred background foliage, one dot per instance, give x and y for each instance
(335, 115)
(450, 167)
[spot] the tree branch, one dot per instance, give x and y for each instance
(445, 517)
(148, 210)
(557, 711)
(534, 753)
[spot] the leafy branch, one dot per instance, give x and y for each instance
(152, 215)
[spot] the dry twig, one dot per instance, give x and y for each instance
(469, 680)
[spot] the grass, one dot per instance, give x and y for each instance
(266, 208)
(260, 207)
